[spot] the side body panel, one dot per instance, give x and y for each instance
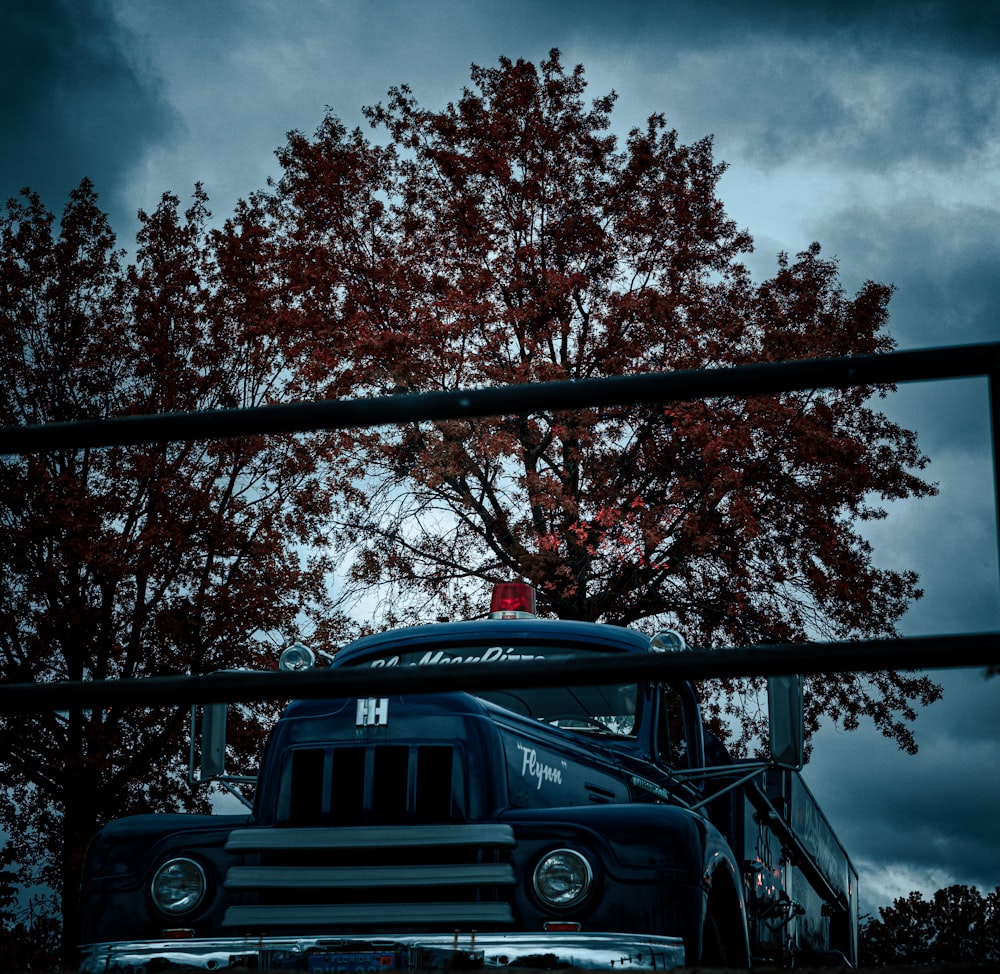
(802, 889)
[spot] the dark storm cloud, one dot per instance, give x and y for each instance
(944, 262)
(873, 85)
(950, 539)
(824, 100)
(945, 265)
(74, 103)
(924, 815)
(870, 115)
(966, 27)
(835, 105)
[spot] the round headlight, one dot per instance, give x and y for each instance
(178, 887)
(563, 878)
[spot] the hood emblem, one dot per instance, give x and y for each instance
(372, 712)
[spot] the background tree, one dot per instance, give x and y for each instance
(158, 559)
(29, 935)
(956, 925)
(509, 238)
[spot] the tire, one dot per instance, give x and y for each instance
(713, 946)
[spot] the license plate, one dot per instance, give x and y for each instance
(368, 960)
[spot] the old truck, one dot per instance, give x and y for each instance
(596, 826)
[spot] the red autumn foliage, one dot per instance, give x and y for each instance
(510, 238)
(152, 560)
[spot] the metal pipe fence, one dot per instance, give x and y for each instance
(920, 652)
(924, 652)
(958, 361)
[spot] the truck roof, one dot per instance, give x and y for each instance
(597, 637)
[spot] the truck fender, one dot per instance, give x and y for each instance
(725, 940)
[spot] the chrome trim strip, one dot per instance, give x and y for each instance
(368, 877)
(391, 836)
(355, 914)
(593, 951)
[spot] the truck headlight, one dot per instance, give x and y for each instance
(562, 878)
(178, 887)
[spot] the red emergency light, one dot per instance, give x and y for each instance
(512, 600)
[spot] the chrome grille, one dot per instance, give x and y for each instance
(408, 878)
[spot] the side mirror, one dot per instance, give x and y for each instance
(213, 741)
(785, 720)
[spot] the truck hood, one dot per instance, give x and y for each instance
(428, 757)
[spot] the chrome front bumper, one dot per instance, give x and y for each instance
(588, 951)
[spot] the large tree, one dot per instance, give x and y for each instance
(510, 238)
(157, 559)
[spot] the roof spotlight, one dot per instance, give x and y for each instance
(668, 641)
(297, 657)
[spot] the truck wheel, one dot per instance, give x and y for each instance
(713, 947)
(723, 935)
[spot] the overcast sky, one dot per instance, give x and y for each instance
(873, 128)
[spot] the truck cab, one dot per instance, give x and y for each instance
(595, 826)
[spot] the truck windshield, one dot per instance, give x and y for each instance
(608, 709)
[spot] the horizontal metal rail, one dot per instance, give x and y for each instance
(933, 652)
(856, 656)
(959, 361)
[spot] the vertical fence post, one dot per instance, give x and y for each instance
(993, 380)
